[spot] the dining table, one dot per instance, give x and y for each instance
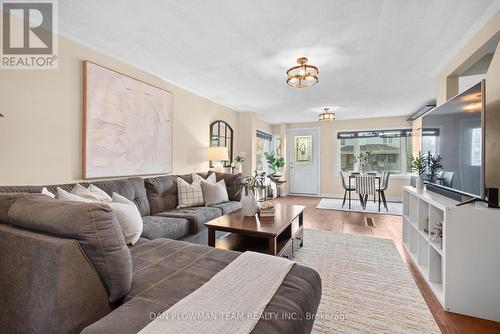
(352, 175)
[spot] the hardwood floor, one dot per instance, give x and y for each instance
(386, 226)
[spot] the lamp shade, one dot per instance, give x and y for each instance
(218, 154)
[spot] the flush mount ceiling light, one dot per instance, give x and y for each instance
(327, 115)
(302, 75)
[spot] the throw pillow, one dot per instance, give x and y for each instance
(63, 195)
(81, 191)
(214, 193)
(46, 192)
(128, 216)
(101, 194)
(189, 194)
(211, 178)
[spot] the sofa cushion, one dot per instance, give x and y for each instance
(164, 227)
(132, 188)
(197, 216)
(93, 225)
(162, 191)
(8, 199)
(228, 207)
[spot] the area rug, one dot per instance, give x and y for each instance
(336, 204)
(367, 288)
(201, 237)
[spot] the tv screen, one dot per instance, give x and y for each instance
(454, 130)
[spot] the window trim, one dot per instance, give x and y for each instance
(336, 149)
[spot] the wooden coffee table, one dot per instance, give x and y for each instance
(280, 235)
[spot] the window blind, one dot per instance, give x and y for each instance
(264, 135)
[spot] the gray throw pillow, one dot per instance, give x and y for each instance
(214, 193)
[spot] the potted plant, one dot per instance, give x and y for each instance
(274, 162)
(364, 160)
(434, 166)
(418, 166)
(240, 158)
(249, 185)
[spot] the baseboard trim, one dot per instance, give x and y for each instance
(396, 199)
(305, 195)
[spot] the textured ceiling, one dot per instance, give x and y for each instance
(376, 57)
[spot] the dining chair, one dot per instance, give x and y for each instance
(447, 178)
(384, 183)
(346, 187)
(365, 186)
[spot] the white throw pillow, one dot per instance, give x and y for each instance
(128, 216)
(46, 192)
(214, 193)
(63, 195)
(212, 178)
(81, 191)
(101, 194)
(189, 194)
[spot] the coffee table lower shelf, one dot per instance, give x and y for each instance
(284, 246)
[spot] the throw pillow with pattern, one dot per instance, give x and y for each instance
(189, 194)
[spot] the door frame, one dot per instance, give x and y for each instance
(288, 155)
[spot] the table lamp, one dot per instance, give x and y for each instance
(218, 154)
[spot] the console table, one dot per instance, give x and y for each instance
(463, 268)
(280, 235)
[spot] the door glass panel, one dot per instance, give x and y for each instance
(303, 149)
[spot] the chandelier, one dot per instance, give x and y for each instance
(327, 115)
(302, 75)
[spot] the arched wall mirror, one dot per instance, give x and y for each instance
(221, 134)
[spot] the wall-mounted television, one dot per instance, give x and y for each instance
(455, 131)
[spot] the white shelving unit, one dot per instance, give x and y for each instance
(463, 268)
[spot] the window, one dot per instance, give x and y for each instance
(264, 141)
(389, 149)
(221, 134)
(475, 152)
(430, 141)
(276, 144)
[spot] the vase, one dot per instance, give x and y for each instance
(249, 203)
(419, 183)
(238, 168)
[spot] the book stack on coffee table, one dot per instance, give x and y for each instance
(266, 209)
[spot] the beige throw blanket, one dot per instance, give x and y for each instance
(231, 302)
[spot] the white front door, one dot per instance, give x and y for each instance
(303, 157)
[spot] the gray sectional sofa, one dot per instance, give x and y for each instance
(65, 267)
(156, 199)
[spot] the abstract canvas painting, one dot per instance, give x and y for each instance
(127, 125)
